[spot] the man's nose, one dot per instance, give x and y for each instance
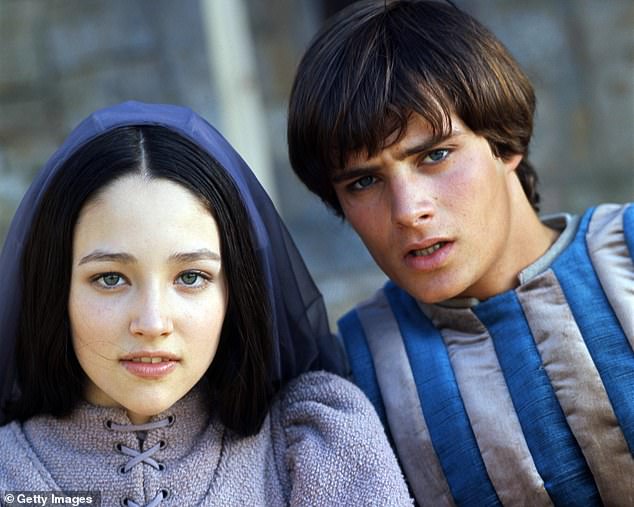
(150, 316)
(411, 201)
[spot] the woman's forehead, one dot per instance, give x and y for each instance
(134, 210)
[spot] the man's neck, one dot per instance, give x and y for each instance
(528, 239)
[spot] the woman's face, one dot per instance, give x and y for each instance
(148, 294)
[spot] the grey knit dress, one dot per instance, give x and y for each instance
(321, 445)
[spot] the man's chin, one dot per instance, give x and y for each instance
(430, 295)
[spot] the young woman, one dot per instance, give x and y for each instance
(155, 314)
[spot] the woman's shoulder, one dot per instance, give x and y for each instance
(19, 467)
(11, 443)
(325, 389)
(330, 403)
(333, 445)
(326, 412)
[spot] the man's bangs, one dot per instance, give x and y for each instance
(361, 133)
(381, 120)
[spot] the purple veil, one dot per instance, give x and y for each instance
(302, 338)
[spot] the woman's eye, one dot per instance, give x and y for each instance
(363, 182)
(192, 279)
(437, 155)
(110, 280)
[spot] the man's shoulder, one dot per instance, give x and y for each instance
(381, 301)
(389, 308)
(609, 229)
(618, 218)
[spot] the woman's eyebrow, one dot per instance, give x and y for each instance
(179, 257)
(102, 256)
(203, 254)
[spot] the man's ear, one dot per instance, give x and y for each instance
(512, 161)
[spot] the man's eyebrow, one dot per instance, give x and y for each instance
(101, 256)
(359, 171)
(423, 146)
(203, 254)
(352, 173)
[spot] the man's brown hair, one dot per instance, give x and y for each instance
(377, 62)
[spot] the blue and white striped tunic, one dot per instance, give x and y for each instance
(525, 399)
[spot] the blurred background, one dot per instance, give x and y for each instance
(233, 62)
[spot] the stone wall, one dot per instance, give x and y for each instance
(62, 59)
(580, 56)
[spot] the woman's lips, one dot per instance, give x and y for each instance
(151, 367)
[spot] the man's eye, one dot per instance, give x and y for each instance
(437, 155)
(363, 182)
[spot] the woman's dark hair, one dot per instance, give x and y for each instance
(377, 62)
(49, 375)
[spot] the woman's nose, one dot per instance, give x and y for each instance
(151, 317)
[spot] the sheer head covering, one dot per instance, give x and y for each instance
(302, 339)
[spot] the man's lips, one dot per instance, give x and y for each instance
(425, 247)
(428, 255)
(423, 252)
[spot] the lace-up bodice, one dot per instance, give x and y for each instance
(142, 457)
(132, 465)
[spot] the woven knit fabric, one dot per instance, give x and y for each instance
(321, 445)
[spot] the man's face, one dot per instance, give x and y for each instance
(435, 217)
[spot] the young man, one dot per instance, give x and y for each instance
(499, 354)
